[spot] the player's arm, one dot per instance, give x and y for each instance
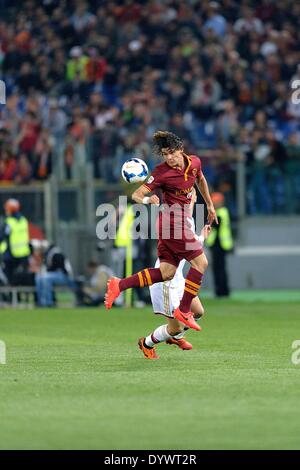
(141, 196)
(203, 188)
(205, 232)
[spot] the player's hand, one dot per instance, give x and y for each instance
(154, 200)
(205, 231)
(212, 216)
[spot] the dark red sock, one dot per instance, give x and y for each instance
(191, 289)
(143, 278)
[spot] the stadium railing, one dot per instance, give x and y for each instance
(24, 296)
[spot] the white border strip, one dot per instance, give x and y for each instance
(277, 250)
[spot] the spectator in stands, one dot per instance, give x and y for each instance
(205, 95)
(77, 64)
(24, 170)
(8, 166)
(259, 197)
(248, 22)
(55, 120)
(95, 67)
(292, 169)
(82, 19)
(14, 240)
(58, 272)
(277, 151)
(293, 147)
(91, 290)
(28, 134)
(147, 62)
(27, 78)
(215, 21)
(42, 158)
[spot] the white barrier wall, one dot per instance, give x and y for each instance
(267, 255)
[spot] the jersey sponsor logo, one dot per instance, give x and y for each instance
(183, 191)
(150, 180)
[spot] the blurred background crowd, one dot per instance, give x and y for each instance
(106, 74)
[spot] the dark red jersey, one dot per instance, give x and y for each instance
(176, 184)
(176, 237)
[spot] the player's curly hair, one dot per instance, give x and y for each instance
(166, 140)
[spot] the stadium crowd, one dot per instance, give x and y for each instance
(106, 74)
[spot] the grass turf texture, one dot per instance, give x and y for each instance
(75, 379)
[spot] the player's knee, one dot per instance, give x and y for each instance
(201, 264)
(168, 274)
(202, 267)
(204, 264)
(168, 277)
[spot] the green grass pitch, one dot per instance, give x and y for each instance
(75, 379)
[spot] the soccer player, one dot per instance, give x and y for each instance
(165, 298)
(176, 177)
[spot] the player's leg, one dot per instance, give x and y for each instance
(160, 335)
(178, 330)
(168, 265)
(165, 298)
(143, 278)
(197, 308)
(198, 312)
(163, 332)
(179, 340)
(172, 295)
(40, 290)
(192, 286)
(148, 276)
(162, 299)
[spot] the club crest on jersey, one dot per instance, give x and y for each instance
(194, 171)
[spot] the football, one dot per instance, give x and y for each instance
(134, 170)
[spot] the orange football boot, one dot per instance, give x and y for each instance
(149, 353)
(112, 292)
(187, 319)
(181, 343)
